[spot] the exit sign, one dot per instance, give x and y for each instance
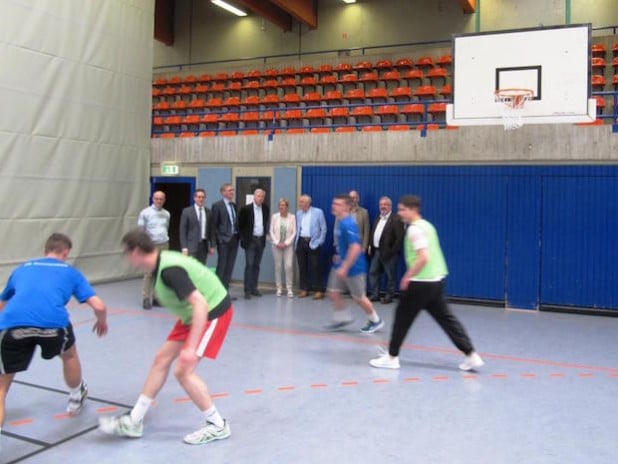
(170, 169)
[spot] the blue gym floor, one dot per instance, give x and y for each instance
(293, 393)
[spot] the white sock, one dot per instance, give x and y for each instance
(141, 408)
(75, 393)
(212, 415)
(373, 317)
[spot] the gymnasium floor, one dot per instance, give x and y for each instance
(295, 394)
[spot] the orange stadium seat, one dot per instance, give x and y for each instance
(197, 104)
(600, 103)
(328, 82)
(292, 117)
(371, 129)
(315, 115)
(425, 62)
(307, 83)
(204, 78)
(429, 127)
(437, 111)
(187, 134)
(158, 121)
(254, 74)
(167, 135)
(306, 71)
(312, 98)
(227, 133)
(598, 50)
(345, 129)
(598, 62)
(325, 69)
(234, 88)
(250, 118)
(295, 130)
(172, 121)
(362, 66)
(207, 134)
(399, 127)
(383, 65)
(401, 94)
(211, 121)
(185, 90)
(615, 81)
(291, 99)
(615, 64)
(355, 96)
(213, 103)
(425, 91)
(230, 119)
(270, 73)
(404, 64)
(320, 130)
(362, 113)
(231, 102)
(598, 82)
(444, 61)
(378, 95)
(179, 105)
(191, 119)
(446, 91)
(369, 80)
(289, 84)
(413, 75)
(200, 89)
(435, 74)
(348, 81)
(251, 101)
(413, 110)
(288, 71)
(236, 76)
(270, 86)
(387, 112)
(160, 81)
(339, 115)
(270, 101)
(161, 106)
(220, 77)
(333, 97)
(174, 80)
(268, 116)
(392, 79)
(156, 92)
(343, 68)
(250, 132)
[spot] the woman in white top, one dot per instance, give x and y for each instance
(282, 234)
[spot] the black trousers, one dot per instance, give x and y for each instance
(227, 258)
(375, 272)
(429, 296)
(202, 252)
(309, 266)
(253, 258)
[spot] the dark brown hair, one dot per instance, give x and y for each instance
(138, 238)
(58, 243)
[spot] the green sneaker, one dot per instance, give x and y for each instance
(121, 426)
(208, 433)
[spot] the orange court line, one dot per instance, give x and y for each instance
(499, 376)
(18, 422)
(349, 383)
(528, 375)
(107, 409)
(557, 375)
(411, 379)
(255, 391)
(381, 381)
(64, 415)
(586, 374)
(220, 395)
(184, 399)
(439, 378)
(469, 376)
(286, 388)
(319, 385)
(366, 341)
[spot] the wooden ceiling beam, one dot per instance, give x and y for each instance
(270, 12)
(304, 11)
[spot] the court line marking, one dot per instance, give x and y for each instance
(32, 441)
(64, 392)
(367, 341)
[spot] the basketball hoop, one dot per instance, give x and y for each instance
(513, 102)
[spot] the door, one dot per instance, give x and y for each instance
(178, 195)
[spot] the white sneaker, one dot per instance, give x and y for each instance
(290, 294)
(386, 361)
(75, 405)
(278, 292)
(472, 362)
(210, 432)
(123, 426)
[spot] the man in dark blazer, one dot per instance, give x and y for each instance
(225, 226)
(253, 222)
(196, 231)
(385, 245)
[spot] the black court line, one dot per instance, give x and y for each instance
(32, 441)
(64, 392)
(53, 445)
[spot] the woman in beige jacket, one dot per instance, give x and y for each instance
(282, 235)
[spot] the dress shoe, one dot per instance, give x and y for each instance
(247, 296)
(303, 294)
(374, 298)
(387, 300)
(156, 303)
(146, 304)
(318, 295)
(256, 293)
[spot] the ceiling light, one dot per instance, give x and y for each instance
(230, 8)
(349, 1)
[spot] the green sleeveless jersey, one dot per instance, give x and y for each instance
(204, 280)
(435, 269)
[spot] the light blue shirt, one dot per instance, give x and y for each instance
(155, 222)
(316, 228)
(258, 221)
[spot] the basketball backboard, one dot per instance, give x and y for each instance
(554, 63)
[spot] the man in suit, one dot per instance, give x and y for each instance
(196, 231)
(253, 226)
(311, 227)
(385, 247)
(225, 226)
(361, 216)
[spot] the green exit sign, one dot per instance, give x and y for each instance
(170, 169)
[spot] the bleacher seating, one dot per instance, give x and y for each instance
(396, 95)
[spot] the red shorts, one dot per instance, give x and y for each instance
(212, 337)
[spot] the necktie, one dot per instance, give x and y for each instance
(200, 218)
(233, 217)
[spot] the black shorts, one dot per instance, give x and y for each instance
(17, 346)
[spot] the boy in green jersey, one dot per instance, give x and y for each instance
(422, 287)
(196, 295)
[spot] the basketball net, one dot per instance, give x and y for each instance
(513, 102)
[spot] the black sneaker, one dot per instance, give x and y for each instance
(146, 304)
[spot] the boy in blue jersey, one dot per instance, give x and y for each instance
(349, 271)
(33, 312)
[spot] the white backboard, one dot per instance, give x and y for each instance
(553, 62)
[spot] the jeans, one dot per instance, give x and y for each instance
(253, 258)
